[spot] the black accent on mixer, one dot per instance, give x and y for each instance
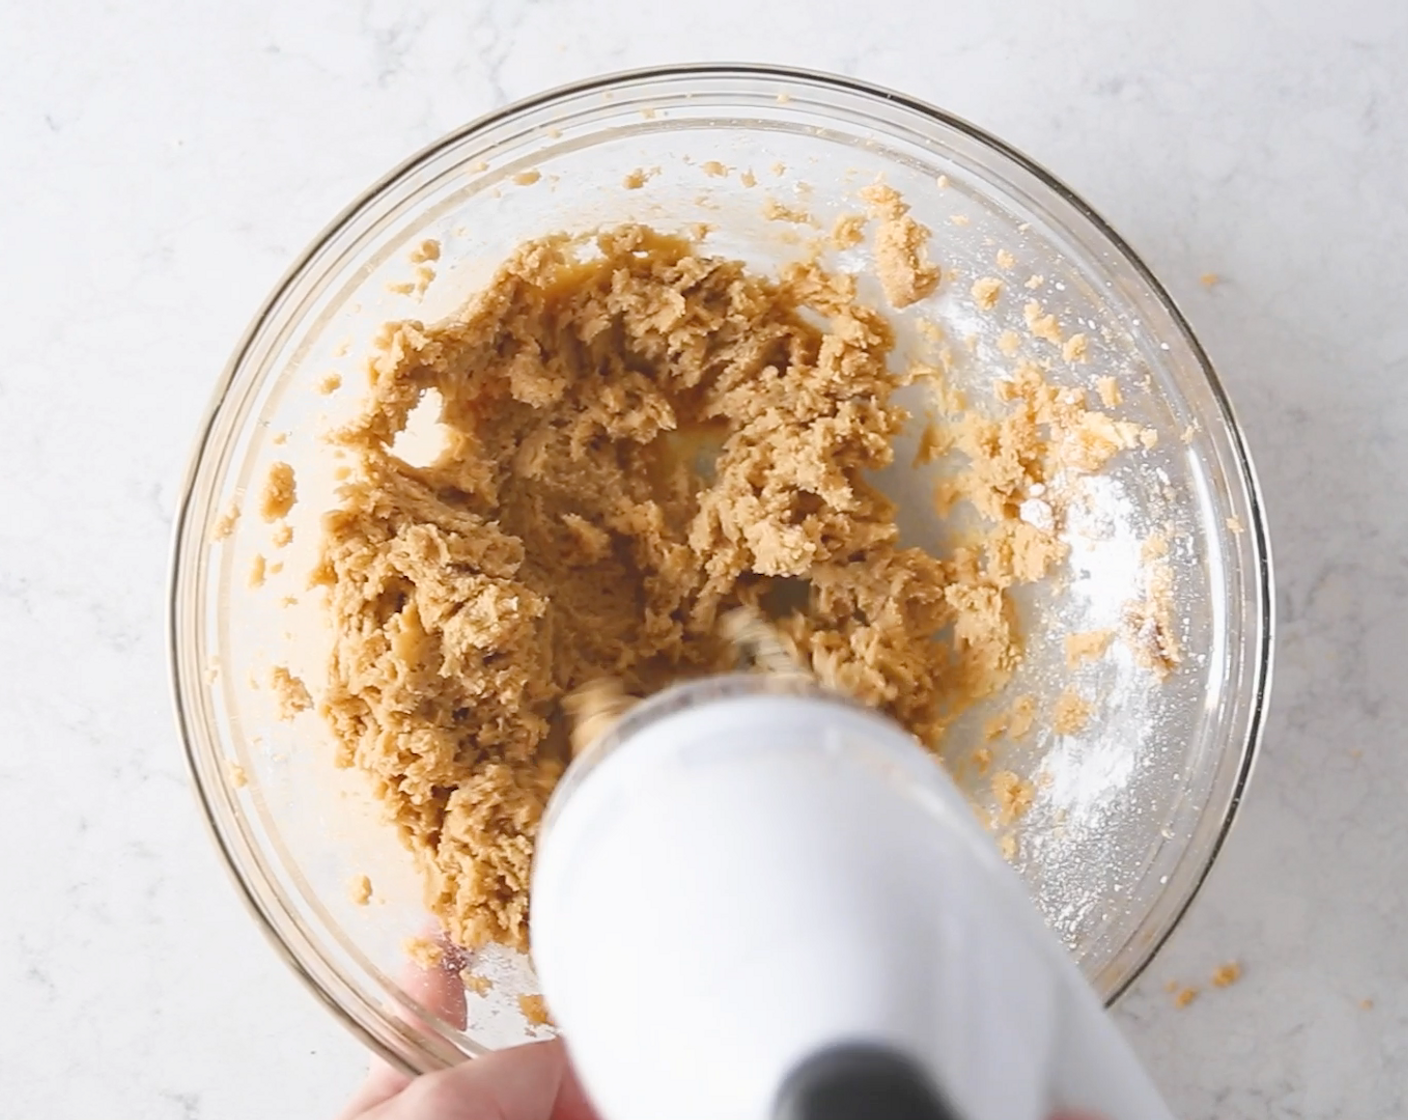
(860, 1081)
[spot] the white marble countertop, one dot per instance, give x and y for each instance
(160, 164)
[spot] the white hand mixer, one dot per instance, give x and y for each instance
(756, 900)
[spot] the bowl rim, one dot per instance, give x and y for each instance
(1260, 665)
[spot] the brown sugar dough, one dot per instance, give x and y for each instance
(901, 257)
(1089, 645)
(638, 438)
(1015, 723)
(360, 890)
(1148, 622)
(225, 523)
(1041, 324)
(280, 492)
(535, 1010)
(1224, 976)
(848, 231)
(1014, 795)
(1184, 997)
(290, 693)
(986, 291)
(424, 952)
(1071, 713)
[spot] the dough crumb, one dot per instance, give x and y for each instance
(1209, 279)
(474, 982)
(1108, 390)
(941, 182)
(1184, 997)
(958, 219)
(1087, 646)
(427, 250)
(848, 231)
(636, 179)
(986, 292)
(1149, 627)
(330, 384)
(1227, 975)
(1366, 1005)
(714, 168)
(1090, 439)
(424, 952)
(1075, 349)
(1009, 342)
(982, 760)
(1071, 714)
(258, 569)
(360, 890)
(282, 536)
(225, 523)
(535, 1010)
(1034, 282)
(901, 255)
(775, 211)
(934, 443)
(280, 493)
(1016, 723)
(290, 693)
(280, 438)
(1235, 525)
(1005, 260)
(235, 772)
(1040, 324)
(528, 178)
(747, 178)
(935, 334)
(1014, 795)
(1007, 846)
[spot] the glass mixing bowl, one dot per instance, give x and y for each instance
(1132, 809)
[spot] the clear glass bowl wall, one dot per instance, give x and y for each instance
(1123, 833)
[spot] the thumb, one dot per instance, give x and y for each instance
(519, 1083)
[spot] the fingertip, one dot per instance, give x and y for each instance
(383, 1081)
(437, 989)
(572, 1100)
(517, 1083)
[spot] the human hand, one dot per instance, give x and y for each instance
(530, 1082)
